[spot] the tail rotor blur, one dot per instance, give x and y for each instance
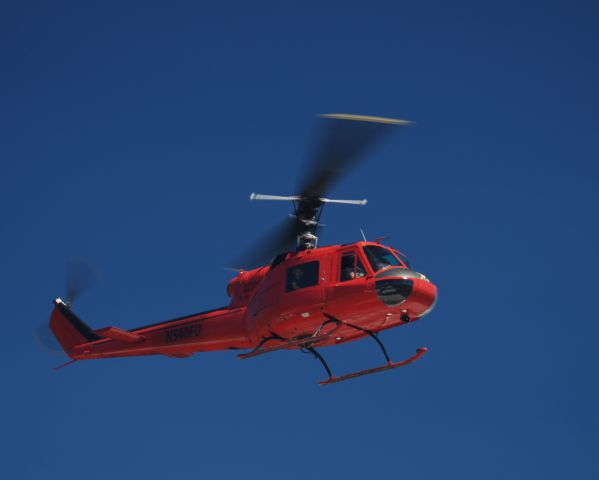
(46, 340)
(81, 276)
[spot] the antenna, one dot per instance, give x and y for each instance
(363, 236)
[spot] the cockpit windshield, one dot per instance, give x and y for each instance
(403, 258)
(380, 257)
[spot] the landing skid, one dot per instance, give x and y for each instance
(390, 365)
(368, 371)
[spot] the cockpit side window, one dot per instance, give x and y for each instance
(301, 276)
(380, 257)
(351, 267)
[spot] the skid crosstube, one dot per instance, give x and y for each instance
(300, 342)
(305, 342)
(307, 345)
(368, 371)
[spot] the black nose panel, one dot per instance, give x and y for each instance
(394, 292)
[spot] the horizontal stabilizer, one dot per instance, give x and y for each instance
(115, 333)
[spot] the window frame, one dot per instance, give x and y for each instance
(389, 250)
(402, 257)
(289, 269)
(357, 259)
(357, 251)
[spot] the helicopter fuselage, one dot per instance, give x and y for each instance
(372, 300)
(338, 292)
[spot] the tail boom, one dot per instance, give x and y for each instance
(220, 329)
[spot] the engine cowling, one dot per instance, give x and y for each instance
(242, 288)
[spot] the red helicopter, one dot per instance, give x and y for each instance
(299, 296)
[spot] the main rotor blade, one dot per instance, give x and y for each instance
(280, 239)
(342, 140)
(81, 276)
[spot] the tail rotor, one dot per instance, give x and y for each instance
(81, 276)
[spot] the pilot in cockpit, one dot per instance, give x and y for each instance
(349, 269)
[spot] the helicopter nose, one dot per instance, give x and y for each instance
(423, 298)
(400, 286)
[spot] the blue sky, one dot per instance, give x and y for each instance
(133, 133)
